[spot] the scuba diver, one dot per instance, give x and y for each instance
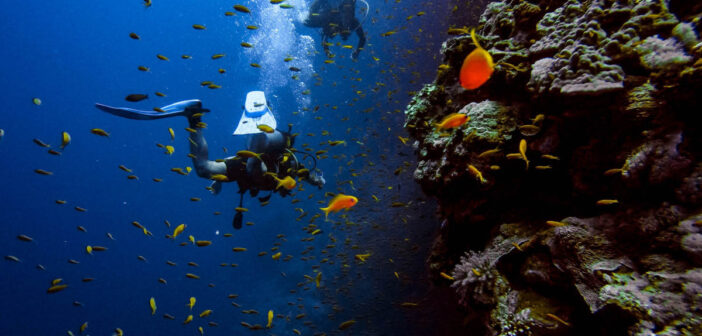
(336, 21)
(268, 164)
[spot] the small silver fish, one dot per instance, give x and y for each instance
(12, 258)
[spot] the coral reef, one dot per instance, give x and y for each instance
(598, 226)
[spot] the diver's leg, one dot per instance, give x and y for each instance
(361, 40)
(198, 147)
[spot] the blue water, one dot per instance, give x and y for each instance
(72, 54)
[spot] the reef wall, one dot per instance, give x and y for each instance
(597, 229)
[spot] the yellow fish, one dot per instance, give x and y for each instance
(607, 202)
(362, 257)
(152, 303)
(318, 279)
(247, 154)
(539, 118)
(178, 230)
(53, 289)
(613, 171)
(188, 319)
(242, 9)
(265, 128)
(219, 177)
(522, 151)
(476, 173)
(489, 152)
(346, 324)
(169, 150)
(446, 276)
(556, 223)
(287, 183)
(270, 319)
(172, 133)
(100, 132)
(206, 313)
(65, 139)
(191, 303)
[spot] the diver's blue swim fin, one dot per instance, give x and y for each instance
(182, 108)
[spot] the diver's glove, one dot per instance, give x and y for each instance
(354, 56)
(316, 179)
(216, 187)
(191, 112)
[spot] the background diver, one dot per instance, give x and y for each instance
(334, 21)
(275, 160)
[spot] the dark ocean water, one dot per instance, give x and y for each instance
(72, 54)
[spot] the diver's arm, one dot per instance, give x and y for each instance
(198, 147)
(325, 45)
(318, 5)
(361, 41)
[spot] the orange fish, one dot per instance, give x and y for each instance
(477, 67)
(453, 120)
(287, 182)
(339, 202)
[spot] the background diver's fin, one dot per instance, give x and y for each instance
(239, 217)
(176, 109)
(265, 198)
(238, 220)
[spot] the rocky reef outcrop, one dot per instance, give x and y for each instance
(597, 229)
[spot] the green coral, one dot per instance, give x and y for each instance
(490, 122)
(421, 102)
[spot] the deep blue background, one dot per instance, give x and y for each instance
(72, 54)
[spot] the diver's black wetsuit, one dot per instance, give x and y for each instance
(249, 173)
(336, 21)
(249, 176)
(275, 150)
